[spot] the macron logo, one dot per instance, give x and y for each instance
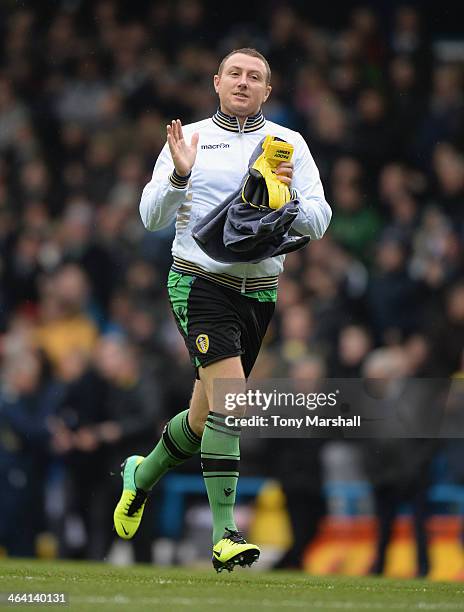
(221, 145)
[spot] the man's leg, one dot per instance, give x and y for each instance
(220, 457)
(223, 331)
(220, 449)
(419, 507)
(180, 440)
(386, 502)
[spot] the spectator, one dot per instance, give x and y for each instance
(28, 401)
(134, 415)
(447, 335)
(80, 413)
(354, 344)
(398, 469)
(64, 326)
(392, 295)
(356, 225)
(299, 469)
(449, 168)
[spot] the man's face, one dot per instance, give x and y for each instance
(242, 86)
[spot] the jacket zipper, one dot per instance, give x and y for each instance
(241, 131)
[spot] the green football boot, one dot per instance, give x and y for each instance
(233, 550)
(129, 510)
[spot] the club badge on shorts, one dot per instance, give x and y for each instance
(202, 343)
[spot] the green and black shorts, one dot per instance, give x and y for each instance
(217, 322)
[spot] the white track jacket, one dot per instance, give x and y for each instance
(221, 163)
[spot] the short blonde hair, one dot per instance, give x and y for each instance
(252, 53)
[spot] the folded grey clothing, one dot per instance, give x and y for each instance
(235, 232)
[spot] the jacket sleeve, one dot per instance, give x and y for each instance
(315, 213)
(163, 195)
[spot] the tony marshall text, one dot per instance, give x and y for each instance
(279, 421)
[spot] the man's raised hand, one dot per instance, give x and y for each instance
(183, 154)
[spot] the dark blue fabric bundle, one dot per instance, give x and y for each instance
(235, 232)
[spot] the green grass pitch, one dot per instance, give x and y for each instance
(96, 586)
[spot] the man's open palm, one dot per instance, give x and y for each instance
(183, 154)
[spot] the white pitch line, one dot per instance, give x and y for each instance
(328, 605)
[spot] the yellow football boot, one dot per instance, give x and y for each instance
(233, 550)
(129, 510)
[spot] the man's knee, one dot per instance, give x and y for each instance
(197, 423)
(198, 410)
(221, 380)
(203, 398)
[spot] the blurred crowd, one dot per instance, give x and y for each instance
(91, 362)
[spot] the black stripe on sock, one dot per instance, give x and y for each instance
(226, 433)
(167, 449)
(218, 414)
(219, 465)
(178, 446)
(229, 427)
(172, 448)
(194, 435)
(177, 443)
(220, 476)
(189, 433)
(185, 430)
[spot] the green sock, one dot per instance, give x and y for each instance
(220, 457)
(178, 443)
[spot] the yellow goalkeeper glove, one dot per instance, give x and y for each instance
(262, 189)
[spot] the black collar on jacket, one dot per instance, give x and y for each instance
(232, 124)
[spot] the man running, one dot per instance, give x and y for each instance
(222, 310)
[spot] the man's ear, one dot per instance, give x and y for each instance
(268, 93)
(216, 80)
